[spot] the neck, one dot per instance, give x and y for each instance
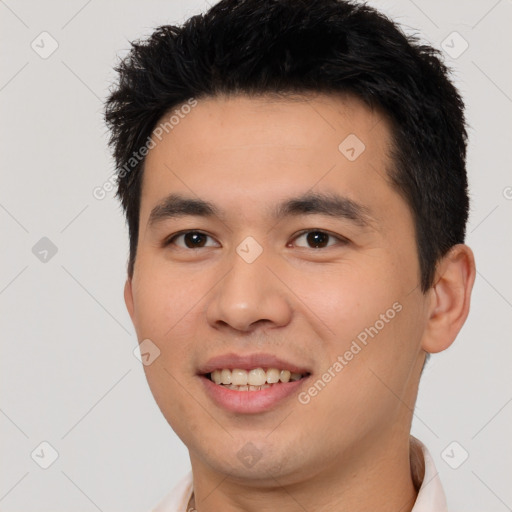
(377, 476)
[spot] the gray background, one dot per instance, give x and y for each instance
(68, 373)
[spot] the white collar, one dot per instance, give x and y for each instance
(431, 497)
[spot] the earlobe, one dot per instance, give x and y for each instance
(450, 298)
(128, 297)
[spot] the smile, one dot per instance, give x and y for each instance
(251, 383)
(252, 380)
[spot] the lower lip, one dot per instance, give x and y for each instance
(251, 402)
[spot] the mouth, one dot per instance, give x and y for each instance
(250, 384)
(256, 379)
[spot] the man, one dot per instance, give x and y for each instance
(293, 176)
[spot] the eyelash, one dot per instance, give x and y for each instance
(342, 240)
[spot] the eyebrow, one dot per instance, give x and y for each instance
(330, 204)
(176, 205)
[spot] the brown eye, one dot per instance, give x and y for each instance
(190, 240)
(193, 240)
(316, 239)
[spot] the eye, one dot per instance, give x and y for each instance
(189, 240)
(317, 239)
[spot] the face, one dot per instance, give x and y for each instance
(271, 238)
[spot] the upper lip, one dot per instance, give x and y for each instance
(248, 362)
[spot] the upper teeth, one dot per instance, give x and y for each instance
(256, 377)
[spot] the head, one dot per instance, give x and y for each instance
(316, 155)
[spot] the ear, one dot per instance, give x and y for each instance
(128, 296)
(450, 298)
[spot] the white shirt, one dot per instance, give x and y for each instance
(431, 497)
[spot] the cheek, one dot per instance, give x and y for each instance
(168, 310)
(367, 315)
(345, 300)
(163, 297)
(367, 371)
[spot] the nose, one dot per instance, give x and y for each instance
(249, 296)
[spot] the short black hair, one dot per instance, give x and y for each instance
(286, 47)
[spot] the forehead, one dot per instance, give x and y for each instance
(229, 121)
(268, 147)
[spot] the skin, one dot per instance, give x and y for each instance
(348, 448)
